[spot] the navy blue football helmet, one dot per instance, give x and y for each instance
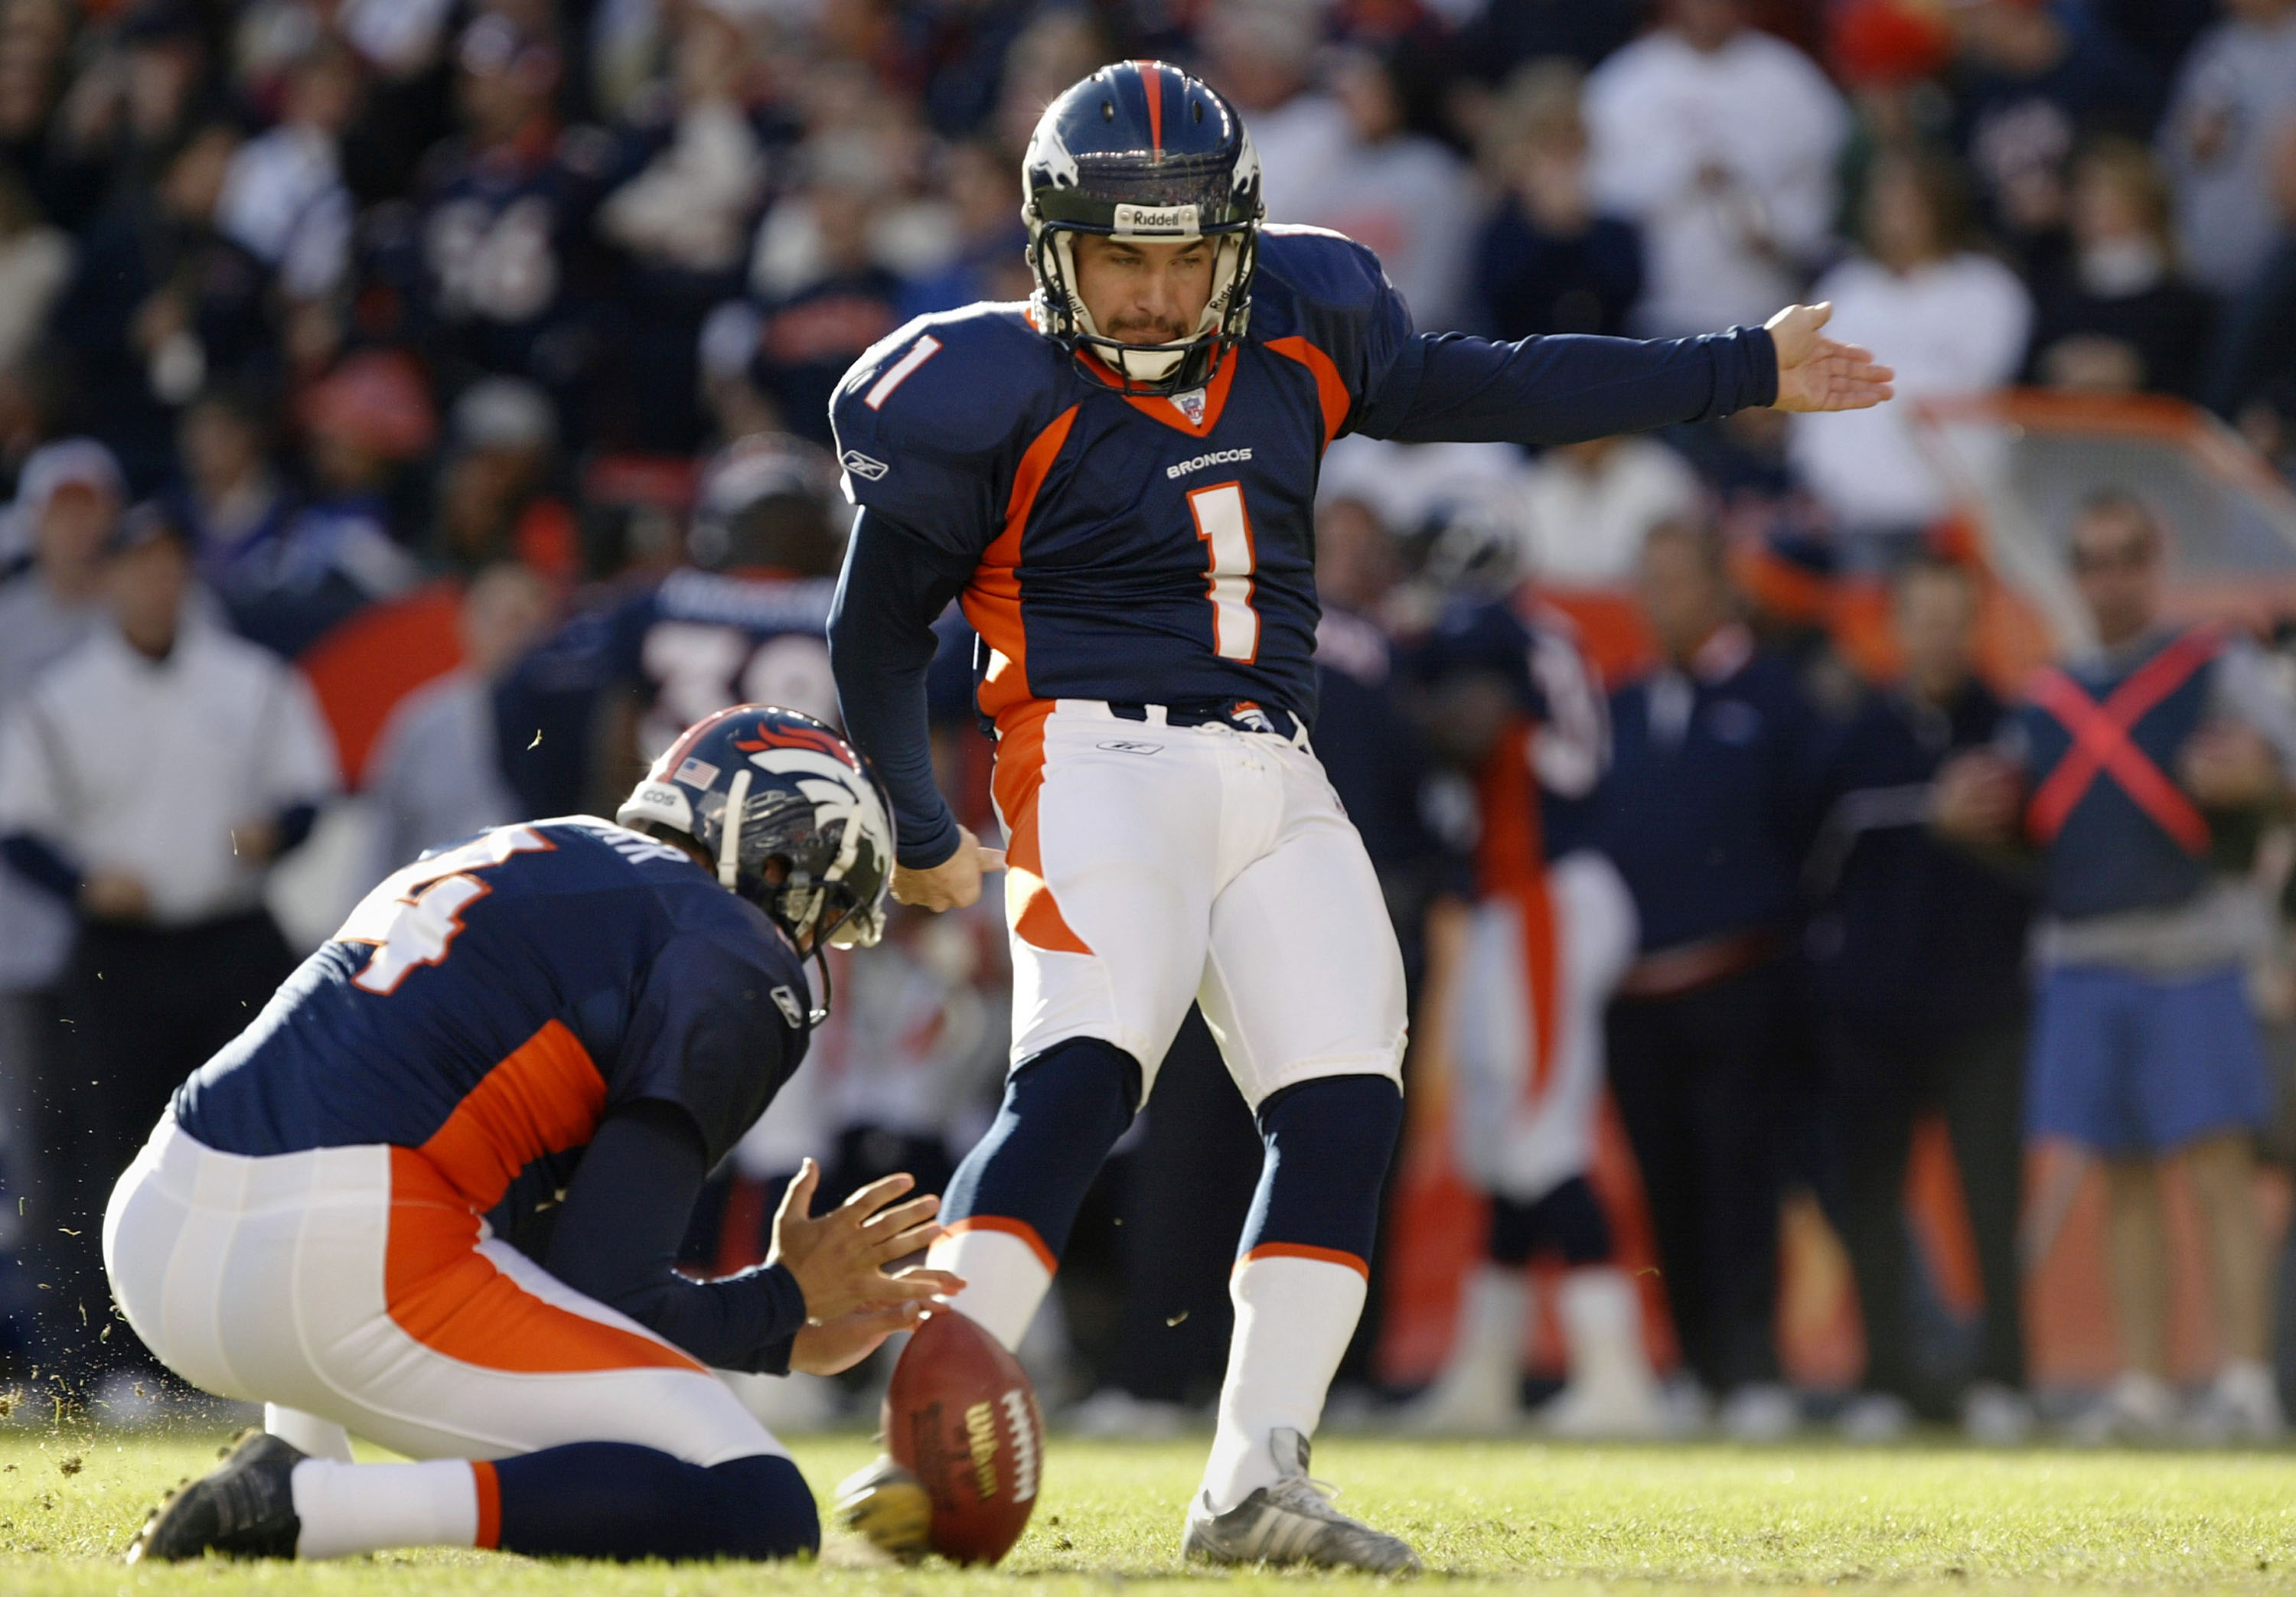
(1141, 149)
(755, 784)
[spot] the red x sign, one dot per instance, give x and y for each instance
(2101, 743)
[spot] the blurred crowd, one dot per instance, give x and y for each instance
(416, 411)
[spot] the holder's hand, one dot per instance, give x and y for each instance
(955, 883)
(838, 1258)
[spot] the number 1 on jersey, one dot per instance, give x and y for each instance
(1225, 530)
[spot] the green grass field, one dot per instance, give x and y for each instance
(1511, 1513)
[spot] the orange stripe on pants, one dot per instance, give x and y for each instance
(1029, 906)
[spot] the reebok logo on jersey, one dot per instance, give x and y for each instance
(785, 1001)
(866, 467)
(1218, 457)
(1118, 746)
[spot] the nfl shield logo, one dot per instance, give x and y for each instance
(1192, 405)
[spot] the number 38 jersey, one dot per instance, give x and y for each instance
(489, 1004)
(688, 646)
(1124, 547)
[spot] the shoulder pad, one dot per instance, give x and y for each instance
(958, 382)
(930, 424)
(1313, 269)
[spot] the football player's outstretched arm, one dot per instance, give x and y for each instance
(1452, 387)
(1560, 390)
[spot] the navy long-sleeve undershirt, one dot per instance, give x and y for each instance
(1442, 388)
(894, 587)
(1452, 387)
(618, 1233)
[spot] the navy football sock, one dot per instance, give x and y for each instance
(616, 1499)
(1063, 1111)
(1328, 1143)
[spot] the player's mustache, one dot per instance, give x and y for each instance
(1166, 332)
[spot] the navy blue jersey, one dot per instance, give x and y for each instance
(688, 646)
(1370, 747)
(502, 237)
(1160, 550)
(1706, 812)
(489, 1004)
(1533, 651)
(1135, 548)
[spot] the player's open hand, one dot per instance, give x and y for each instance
(840, 1259)
(955, 883)
(1816, 373)
(836, 1346)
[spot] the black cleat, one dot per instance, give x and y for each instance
(243, 1508)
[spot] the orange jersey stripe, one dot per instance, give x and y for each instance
(1010, 1227)
(1322, 1256)
(446, 1295)
(1330, 388)
(1510, 863)
(992, 601)
(546, 1096)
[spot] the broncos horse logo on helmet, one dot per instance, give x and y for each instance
(796, 821)
(1143, 151)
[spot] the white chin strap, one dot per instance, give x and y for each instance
(729, 837)
(1152, 365)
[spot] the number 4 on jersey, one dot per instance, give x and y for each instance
(415, 915)
(1226, 530)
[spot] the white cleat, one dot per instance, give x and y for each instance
(1605, 1411)
(1761, 1412)
(1112, 1414)
(1468, 1399)
(2138, 1407)
(2242, 1405)
(1292, 1521)
(1993, 1415)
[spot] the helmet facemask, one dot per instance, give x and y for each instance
(1146, 369)
(1142, 153)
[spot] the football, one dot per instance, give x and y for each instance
(961, 1416)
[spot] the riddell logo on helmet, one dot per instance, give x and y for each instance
(1176, 219)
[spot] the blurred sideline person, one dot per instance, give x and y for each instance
(68, 499)
(1517, 988)
(380, 1181)
(1706, 816)
(1917, 955)
(437, 761)
(2137, 775)
(150, 780)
